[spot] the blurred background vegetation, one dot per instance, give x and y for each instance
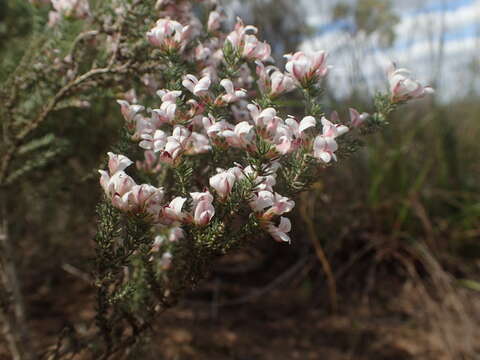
(398, 221)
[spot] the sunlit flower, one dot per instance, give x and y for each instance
(307, 67)
(232, 94)
(243, 40)
(357, 119)
(290, 133)
(325, 145)
(143, 198)
(130, 112)
(213, 128)
(223, 182)
(264, 119)
(118, 183)
(272, 81)
(279, 233)
(195, 86)
(155, 142)
(173, 211)
(117, 162)
(203, 210)
(69, 8)
(168, 35)
(403, 87)
(241, 136)
(270, 204)
(167, 111)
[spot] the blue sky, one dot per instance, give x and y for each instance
(424, 26)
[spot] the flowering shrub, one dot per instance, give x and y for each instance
(212, 163)
(218, 158)
(200, 117)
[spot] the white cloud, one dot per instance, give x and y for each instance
(417, 47)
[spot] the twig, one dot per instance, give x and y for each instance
(322, 257)
(15, 328)
(9, 155)
(72, 270)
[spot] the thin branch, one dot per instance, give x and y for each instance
(322, 257)
(15, 328)
(63, 92)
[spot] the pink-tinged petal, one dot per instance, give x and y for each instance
(325, 156)
(357, 119)
(341, 129)
(227, 85)
(280, 233)
(285, 146)
(199, 196)
(203, 85)
(117, 162)
(204, 212)
(104, 180)
(262, 200)
(174, 210)
(223, 183)
(285, 225)
(189, 81)
(306, 123)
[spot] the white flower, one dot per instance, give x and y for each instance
(129, 112)
(253, 49)
(168, 35)
(279, 233)
(117, 162)
(403, 87)
(357, 119)
(70, 8)
(276, 204)
(173, 211)
(223, 182)
(195, 86)
(241, 136)
(155, 143)
(306, 67)
(247, 45)
(203, 210)
(213, 128)
(116, 187)
(198, 144)
(330, 129)
(231, 95)
(272, 81)
(325, 145)
(324, 148)
(264, 119)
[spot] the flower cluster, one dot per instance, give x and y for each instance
(223, 104)
(79, 9)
